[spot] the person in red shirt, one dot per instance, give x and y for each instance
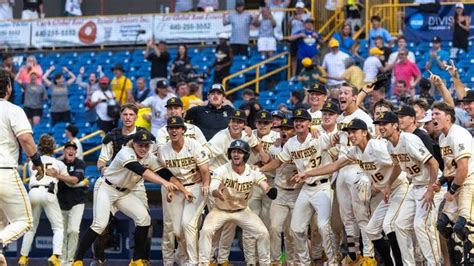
(406, 70)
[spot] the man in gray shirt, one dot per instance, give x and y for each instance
(240, 21)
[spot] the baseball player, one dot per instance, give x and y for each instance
(417, 214)
(456, 149)
(72, 201)
(315, 195)
(282, 207)
(43, 196)
(131, 164)
(174, 107)
(182, 156)
(259, 203)
(231, 186)
(15, 130)
(375, 160)
(317, 97)
(353, 210)
(278, 117)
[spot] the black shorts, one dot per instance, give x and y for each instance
(30, 112)
(294, 48)
(60, 117)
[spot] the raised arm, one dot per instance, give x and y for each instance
(272, 165)
(324, 170)
(71, 75)
(46, 76)
(368, 88)
(439, 84)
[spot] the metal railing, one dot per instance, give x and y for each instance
(258, 76)
(333, 25)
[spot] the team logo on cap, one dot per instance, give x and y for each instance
(399, 109)
(144, 136)
(237, 113)
(382, 115)
(328, 105)
(284, 121)
(298, 112)
(350, 124)
(263, 115)
(173, 120)
(172, 100)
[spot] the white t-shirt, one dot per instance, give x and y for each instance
(334, 65)
(371, 68)
(393, 57)
(73, 7)
(101, 107)
(158, 109)
(79, 151)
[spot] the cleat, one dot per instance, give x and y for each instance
(23, 261)
(213, 263)
(348, 261)
(78, 263)
(137, 263)
(368, 261)
(54, 261)
(226, 263)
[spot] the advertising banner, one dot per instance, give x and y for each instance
(15, 34)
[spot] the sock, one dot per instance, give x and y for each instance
(383, 249)
(140, 242)
(351, 248)
(85, 244)
(397, 255)
(148, 242)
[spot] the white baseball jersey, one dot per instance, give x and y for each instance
(456, 145)
(107, 150)
(306, 155)
(343, 120)
(236, 188)
(266, 141)
(48, 162)
(120, 176)
(13, 123)
(183, 164)
(316, 117)
(376, 161)
(219, 144)
(285, 171)
(411, 154)
(192, 132)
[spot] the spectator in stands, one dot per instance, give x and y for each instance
(407, 71)
(9, 67)
(71, 132)
(344, 37)
(181, 6)
(99, 101)
(32, 65)
(274, 4)
(425, 87)
(159, 57)
(353, 73)
(308, 41)
(214, 116)
(121, 85)
(373, 65)
(240, 21)
(297, 102)
(60, 109)
(141, 92)
(157, 104)
(460, 25)
(251, 106)
(420, 106)
(6, 9)
(180, 65)
(378, 41)
(35, 97)
(208, 5)
(266, 40)
(278, 117)
(90, 86)
(194, 97)
(297, 25)
(182, 89)
(311, 74)
(404, 94)
(354, 14)
(73, 8)
(32, 9)
(436, 59)
(278, 15)
(401, 44)
(334, 65)
(223, 59)
(378, 31)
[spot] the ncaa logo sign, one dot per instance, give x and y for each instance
(416, 21)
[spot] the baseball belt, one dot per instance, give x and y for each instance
(9, 168)
(319, 182)
(121, 189)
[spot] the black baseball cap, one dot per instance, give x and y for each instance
(175, 121)
(425, 84)
(468, 97)
(162, 84)
(386, 117)
(355, 124)
(264, 116)
(70, 144)
(301, 114)
(217, 87)
(436, 39)
(406, 110)
(239, 114)
(174, 101)
(331, 106)
(286, 123)
(278, 114)
(143, 137)
(318, 87)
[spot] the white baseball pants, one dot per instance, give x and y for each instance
(15, 205)
(415, 219)
(71, 224)
(42, 199)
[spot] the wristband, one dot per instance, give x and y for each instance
(442, 180)
(454, 188)
(36, 159)
(364, 92)
(272, 193)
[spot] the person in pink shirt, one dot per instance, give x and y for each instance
(23, 76)
(406, 70)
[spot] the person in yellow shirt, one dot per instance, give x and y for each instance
(122, 93)
(194, 98)
(353, 73)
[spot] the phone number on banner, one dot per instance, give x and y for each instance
(54, 33)
(191, 27)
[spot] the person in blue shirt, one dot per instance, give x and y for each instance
(346, 43)
(307, 44)
(377, 30)
(436, 59)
